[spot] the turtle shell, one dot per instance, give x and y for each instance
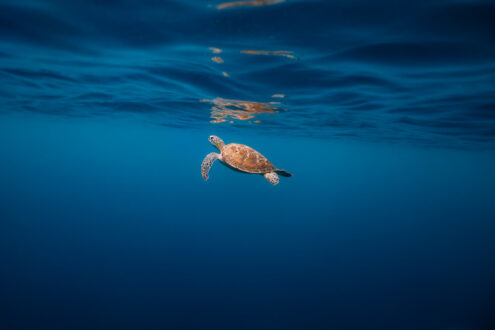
(246, 159)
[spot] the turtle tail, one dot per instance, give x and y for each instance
(284, 173)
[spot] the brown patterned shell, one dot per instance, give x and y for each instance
(246, 159)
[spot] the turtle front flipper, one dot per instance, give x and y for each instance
(272, 177)
(207, 163)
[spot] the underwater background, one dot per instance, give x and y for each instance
(384, 112)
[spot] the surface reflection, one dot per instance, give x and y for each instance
(217, 59)
(215, 50)
(248, 3)
(284, 53)
(224, 109)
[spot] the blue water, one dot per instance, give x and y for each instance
(384, 111)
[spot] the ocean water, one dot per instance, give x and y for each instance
(383, 111)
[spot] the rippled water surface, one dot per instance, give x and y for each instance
(420, 72)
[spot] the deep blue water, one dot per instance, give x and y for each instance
(384, 111)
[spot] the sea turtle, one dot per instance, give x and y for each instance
(242, 158)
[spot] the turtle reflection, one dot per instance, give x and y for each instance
(224, 109)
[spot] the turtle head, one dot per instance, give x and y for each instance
(216, 141)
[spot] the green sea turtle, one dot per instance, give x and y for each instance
(242, 158)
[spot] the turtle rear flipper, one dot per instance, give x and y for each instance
(272, 177)
(284, 173)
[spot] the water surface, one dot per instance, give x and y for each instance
(419, 73)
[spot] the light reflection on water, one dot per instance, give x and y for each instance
(248, 3)
(224, 109)
(217, 59)
(284, 53)
(228, 110)
(215, 50)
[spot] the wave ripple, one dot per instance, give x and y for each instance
(421, 73)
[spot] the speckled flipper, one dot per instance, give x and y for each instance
(272, 177)
(207, 163)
